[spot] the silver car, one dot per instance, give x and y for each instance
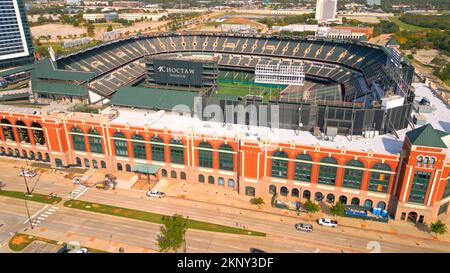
(304, 227)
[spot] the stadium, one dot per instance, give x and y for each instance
(348, 130)
(344, 81)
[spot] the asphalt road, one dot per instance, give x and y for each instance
(282, 237)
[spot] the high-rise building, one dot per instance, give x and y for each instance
(15, 38)
(326, 10)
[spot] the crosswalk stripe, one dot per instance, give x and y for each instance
(43, 215)
(55, 207)
(52, 210)
(41, 218)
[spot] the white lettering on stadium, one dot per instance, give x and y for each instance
(178, 70)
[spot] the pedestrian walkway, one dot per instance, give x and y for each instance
(80, 190)
(42, 215)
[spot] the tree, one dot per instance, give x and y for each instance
(172, 233)
(311, 207)
(110, 28)
(438, 228)
(257, 201)
(338, 209)
(90, 29)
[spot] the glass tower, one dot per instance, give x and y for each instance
(15, 39)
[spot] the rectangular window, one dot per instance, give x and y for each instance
(446, 189)
(419, 187)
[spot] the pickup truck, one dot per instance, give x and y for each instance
(327, 222)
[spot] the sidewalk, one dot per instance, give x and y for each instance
(217, 196)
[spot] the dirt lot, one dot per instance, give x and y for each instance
(363, 18)
(56, 29)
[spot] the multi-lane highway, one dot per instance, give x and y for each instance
(281, 235)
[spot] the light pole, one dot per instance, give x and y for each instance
(28, 212)
(25, 179)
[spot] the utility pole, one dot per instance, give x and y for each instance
(25, 179)
(28, 212)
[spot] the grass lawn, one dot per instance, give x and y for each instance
(244, 89)
(20, 241)
(405, 26)
(154, 217)
(36, 197)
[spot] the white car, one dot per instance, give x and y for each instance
(82, 250)
(327, 222)
(157, 194)
(28, 173)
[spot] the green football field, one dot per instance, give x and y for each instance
(244, 89)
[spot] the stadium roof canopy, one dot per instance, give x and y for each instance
(427, 136)
(59, 89)
(154, 98)
(16, 70)
(45, 69)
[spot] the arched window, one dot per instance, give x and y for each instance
(139, 147)
(295, 193)
(128, 168)
(231, 183)
(205, 155)
(279, 166)
(353, 177)
(343, 199)
(226, 161)
(78, 139)
(330, 198)
(17, 153)
(272, 189)
(38, 133)
(24, 154)
(119, 167)
(183, 176)
(78, 161)
(425, 161)
(103, 164)
(249, 191)
(94, 164)
(86, 163)
(432, 160)
(306, 194)
(419, 161)
(327, 173)
(201, 178)
(318, 196)
(173, 174)
(379, 181)
(176, 152)
(157, 149)
(210, 179)
(368, 203)
(284, 191)
(303, 170)
(22, 132)
(47, 157)
(39, 156)
(32, 155)
(221, 181)
(381, 205)
(164, 172)
(95, 141)
(120, 145)
(355, 201)
(8, 130)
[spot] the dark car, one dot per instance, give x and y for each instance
(304, 227)
(255, 250)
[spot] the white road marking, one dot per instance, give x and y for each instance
(52, 210)
(43, 215)
(81, 193)
(55, 207)
(35, 214)
(41, 218)
(48, 213)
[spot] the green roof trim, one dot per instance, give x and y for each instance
(427, 136)
(153, 98)
(46, 70)
(146, 168)
(58, 88)
(16, 70)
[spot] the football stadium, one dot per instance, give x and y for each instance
(327, 120)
